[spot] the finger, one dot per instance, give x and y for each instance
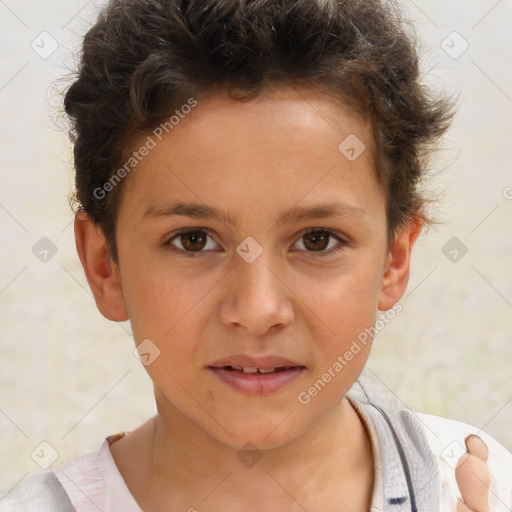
(462, 507)
(475, 446)
(473, 478)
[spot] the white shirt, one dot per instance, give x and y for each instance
(93, 482)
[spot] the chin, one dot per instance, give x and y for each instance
(273, 432)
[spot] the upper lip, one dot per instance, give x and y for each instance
(270, 361)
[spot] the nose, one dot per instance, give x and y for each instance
(257, 299)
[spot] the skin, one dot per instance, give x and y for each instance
(257, 160)
(473, 476)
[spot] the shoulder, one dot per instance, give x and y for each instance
(446, 439)
(86, 479)
(38, 493)
(446, 436)
(88, 483)
(94, 483)
(435, 444)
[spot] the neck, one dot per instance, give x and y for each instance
(328, 458)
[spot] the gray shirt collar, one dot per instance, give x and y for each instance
(410, 477)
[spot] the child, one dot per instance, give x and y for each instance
(247, 178)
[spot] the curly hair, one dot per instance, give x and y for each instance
(142, 59)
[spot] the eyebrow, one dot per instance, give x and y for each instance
(296, 213)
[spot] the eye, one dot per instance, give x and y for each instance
(317, 240)
(190, 240)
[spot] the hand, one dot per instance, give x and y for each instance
(473, 476)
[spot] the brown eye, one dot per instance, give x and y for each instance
(194, 241)
(317, 240)
(191, 241)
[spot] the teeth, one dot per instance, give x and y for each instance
(250, 369)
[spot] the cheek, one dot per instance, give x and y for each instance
(343, 297)
(342, 311)
(162, 302)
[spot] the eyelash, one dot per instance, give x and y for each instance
(192, 254)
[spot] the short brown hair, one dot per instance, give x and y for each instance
(142, 59)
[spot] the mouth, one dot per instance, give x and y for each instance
(257, 376)
(253, 369)
(250, 364)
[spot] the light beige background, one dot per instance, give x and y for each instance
(68, 376)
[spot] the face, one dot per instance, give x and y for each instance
(289, 269)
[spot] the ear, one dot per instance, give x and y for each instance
(396, 272)
(101, 272)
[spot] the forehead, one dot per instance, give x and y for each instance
(275, 149)
(293, 114)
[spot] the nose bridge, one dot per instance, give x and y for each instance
(256, 279)
(258, 298)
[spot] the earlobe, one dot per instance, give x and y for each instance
(101, 273)
(396, 272)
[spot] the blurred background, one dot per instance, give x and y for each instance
(68, 377)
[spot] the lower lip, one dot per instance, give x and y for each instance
(257, 384)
